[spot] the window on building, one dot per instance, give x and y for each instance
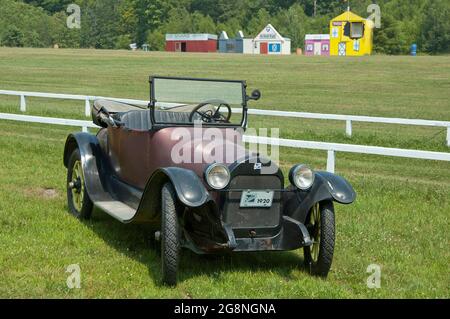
(230, 47)
(357, 30)
(347, 29)
(354, 30)
(309, 47)
(325, 47)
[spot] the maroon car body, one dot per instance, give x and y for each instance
(131, 169)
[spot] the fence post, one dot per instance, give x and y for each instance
(348, 128)
(331, 161)
(23, 103)
(87, 107)
(448, 136)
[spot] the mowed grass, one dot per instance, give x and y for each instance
(400, 220)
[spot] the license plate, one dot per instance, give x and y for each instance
(256, 198)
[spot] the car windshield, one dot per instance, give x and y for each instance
(186, 101)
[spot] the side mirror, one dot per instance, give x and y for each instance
(256, 95)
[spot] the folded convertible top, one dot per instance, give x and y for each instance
(114, 106)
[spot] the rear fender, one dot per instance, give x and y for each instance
(91, 155)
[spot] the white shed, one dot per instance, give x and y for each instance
(269, 41)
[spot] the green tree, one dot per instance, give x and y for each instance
(232, 27)
(99, 24)
(258, 22)
(292, 23)
(435, 36)
(61, 34)
(150, 15)
(156, 40)
(179, 21)
(123, 42)
(51, 6)
(13, 37)
(390, 39)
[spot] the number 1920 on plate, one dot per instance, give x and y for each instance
(252, 198)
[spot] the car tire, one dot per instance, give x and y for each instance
(170, 236)
(321, 225)
(78, 200)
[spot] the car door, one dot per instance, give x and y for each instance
(129, 155)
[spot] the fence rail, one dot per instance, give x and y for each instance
(349, 119)
(331, 148)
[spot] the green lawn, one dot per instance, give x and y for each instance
(400, 220)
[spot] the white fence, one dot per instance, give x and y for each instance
(349, 119)
(331, 148)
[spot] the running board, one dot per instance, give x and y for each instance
(118, 210)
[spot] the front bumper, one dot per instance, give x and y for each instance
(292, 235)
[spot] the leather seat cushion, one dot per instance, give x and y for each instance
(140, 120)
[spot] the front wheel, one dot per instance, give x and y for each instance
(321, 226)
(170, 236)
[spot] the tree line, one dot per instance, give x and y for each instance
(114, 24)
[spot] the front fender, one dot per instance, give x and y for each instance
(338, 187)
(327, 186)
(188, 187)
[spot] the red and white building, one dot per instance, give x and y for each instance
(269, 41)
(202, 42)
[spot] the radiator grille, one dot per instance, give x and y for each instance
(252, 217)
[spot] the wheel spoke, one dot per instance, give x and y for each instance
(78, 190)
(315, 222)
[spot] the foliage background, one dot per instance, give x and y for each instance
(114, 24)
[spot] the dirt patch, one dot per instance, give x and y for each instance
(45, 193)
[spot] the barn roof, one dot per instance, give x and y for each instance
(348, 16)
(270, 33)
(190, 37)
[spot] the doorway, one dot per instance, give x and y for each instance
(317, 48)
(180, 47)
(342, 49)
(263, 48)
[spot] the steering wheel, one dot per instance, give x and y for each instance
(210, 116)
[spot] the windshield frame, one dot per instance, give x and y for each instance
(159, 125)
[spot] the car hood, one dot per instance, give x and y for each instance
(223, 146)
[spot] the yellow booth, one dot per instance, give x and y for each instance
(351, 35)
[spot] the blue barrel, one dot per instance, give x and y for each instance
(414, 49)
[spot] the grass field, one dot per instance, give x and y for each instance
(400, 220)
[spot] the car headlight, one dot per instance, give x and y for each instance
(302, 176)
(217, 176)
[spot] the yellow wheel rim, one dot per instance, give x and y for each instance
(77, 186)
(315, 223)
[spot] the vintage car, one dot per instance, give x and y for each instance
(156, 166)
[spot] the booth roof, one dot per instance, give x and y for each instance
(191, 37)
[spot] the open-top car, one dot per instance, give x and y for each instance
(180, 166)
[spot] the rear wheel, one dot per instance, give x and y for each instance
(78, 201)
(170, 236)
(321, 226)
